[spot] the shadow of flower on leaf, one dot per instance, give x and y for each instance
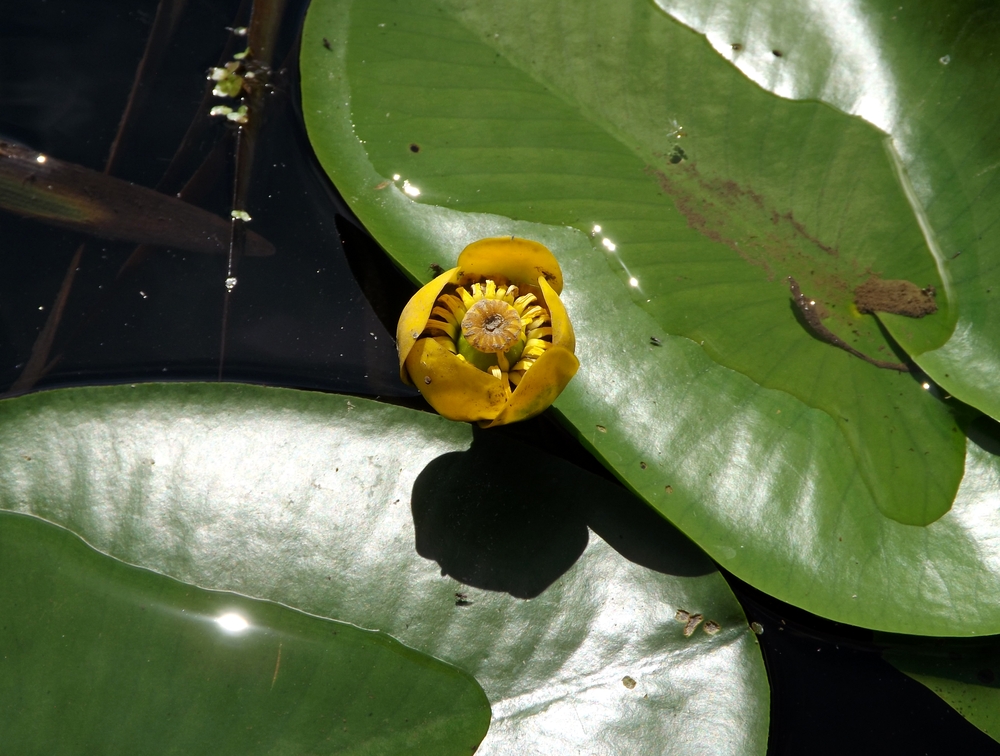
(505, 516)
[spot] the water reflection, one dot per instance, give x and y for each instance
(612, 249)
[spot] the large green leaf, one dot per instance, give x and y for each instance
(926, 74)
(102, 657)
(395, 520)
(778, 460)
(707, 243)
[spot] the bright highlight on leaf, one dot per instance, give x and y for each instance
(468, 338)
(232, 622)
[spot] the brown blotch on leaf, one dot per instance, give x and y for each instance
(691, 621)
(692, 624)
(896, 297)
(810, 318)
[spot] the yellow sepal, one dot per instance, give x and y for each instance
(539, 387)
(520, 261)
(456, 389)
(414, 317)
(562, 329)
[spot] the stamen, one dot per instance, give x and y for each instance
(448, 328)
(521, 302)
(454, 304)
(532, 313)
(539, 333)
(445, 314)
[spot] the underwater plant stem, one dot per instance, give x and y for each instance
(168, 13)
(262, 34)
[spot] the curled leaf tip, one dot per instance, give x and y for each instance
(489, 341)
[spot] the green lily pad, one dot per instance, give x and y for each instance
(925, 74)
(789, 460)
(706, 245)
(965, 673)
(387, 518)
(101, 655)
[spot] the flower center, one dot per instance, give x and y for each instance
(492, 328)
(491, 325)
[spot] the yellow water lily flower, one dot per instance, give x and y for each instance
(489, 341)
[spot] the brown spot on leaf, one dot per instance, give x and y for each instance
(895, 296)
(691, 621)
(772, 239)
(692, 624)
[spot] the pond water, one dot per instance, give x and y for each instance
(297, 318)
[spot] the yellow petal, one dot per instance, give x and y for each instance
(415, 315)
(520, 261)
(562, 329)
(538, 387)
(452, 386)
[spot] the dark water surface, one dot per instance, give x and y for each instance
(297, 318)
(300, 318)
